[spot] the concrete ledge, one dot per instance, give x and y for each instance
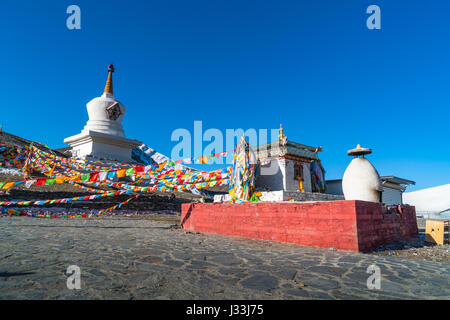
(287, 196)
(346, 225)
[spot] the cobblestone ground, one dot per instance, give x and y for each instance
(129, 258)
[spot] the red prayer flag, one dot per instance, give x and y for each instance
(138, 169)
(41, 182)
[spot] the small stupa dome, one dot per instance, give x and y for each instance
(361, 180)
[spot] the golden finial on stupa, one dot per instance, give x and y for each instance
(281, 135)
(109, 84)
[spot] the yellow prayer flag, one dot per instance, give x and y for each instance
(8, 185)
(60, 179)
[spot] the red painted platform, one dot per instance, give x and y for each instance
(346, 225)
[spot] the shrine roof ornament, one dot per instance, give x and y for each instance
(281, 135)
(109, 83)
(359, 151)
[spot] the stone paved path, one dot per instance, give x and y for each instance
(124, 258)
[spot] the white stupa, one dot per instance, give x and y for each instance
(103, 135)
(361, 180)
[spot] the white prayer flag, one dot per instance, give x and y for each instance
(29, 183)
(102, 175)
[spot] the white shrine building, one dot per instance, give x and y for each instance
(286, 165)
(288, 171)
(103, 135)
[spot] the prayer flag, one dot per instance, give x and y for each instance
(41, 182)
(102, 175)
(49, 182)
(94, 176)
(112, 175)
(60, 179)
(29, 183)
(8, 185)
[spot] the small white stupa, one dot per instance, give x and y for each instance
(361, 180)
(103, 135)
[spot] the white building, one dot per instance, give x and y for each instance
(430, 202)
(393, 188)
(288, 171)
(103, 135)
(287, 166)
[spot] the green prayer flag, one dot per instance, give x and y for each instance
(49, 182)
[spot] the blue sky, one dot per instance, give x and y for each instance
(311, 65)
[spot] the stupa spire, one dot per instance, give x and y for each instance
(109, 83)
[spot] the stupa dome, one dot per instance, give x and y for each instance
(361, 180)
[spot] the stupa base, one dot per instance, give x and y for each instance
(346, 225)
(102, 145)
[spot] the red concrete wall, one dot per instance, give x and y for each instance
(377, 227)
(346, 225)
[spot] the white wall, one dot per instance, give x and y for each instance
(101, 150)
(430, 200)
(307, 184)
(335, 187)
(282, 176)
(391, 196)
(290, 184)
(271, 176)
